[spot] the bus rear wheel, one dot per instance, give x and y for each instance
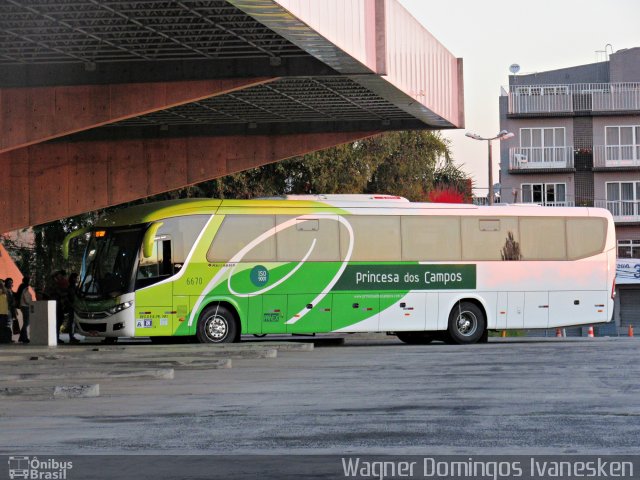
(467, 323)
(415, 338)
(217, 325)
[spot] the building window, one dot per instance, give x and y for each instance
(623, 142)
(543, 144)
(628, 248)
(623, 198)
(549, 194)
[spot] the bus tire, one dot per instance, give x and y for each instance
(415, 338)
(217, 324)
(467, 323)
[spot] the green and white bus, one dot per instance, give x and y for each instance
(219, 269)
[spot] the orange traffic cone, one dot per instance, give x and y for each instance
(631, 330)
(558, 332)
(504, 334)
(590, 334)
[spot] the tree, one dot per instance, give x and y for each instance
(398, 163)
(410, 161)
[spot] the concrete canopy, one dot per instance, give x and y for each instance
(103, 102)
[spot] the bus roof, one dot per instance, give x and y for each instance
(151, 212)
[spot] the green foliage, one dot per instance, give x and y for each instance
(408, 163)
(398, 163)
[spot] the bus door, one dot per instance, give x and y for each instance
(155, 312)
(407, 312)
(307, 317)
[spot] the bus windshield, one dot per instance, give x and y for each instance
(108, 263)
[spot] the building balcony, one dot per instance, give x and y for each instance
(540, 158)
(616, 156)
(564, 203)
(597, 98)
(482, 201)
(623, 211)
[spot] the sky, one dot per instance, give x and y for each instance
(542, 35)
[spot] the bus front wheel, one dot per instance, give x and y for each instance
(467, 323)
(217, 325)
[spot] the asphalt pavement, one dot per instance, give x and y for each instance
(371, 395)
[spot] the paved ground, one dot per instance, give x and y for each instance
(371, 395)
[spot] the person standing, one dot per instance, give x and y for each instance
(5, 324)
(25, 300)
(11, 300)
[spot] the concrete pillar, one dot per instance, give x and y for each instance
(42, 318)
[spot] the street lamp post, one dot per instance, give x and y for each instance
(503, 135)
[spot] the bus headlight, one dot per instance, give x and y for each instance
(120, 307)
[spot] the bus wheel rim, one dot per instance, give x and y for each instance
(466, 323)
(216, 328)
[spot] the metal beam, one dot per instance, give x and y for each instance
(33, 115)
(107, 73)
(133, 132)
(44, 182)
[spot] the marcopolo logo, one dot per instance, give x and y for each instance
(41, 469)
(259, 276)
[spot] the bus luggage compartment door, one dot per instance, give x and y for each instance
(574, 308)
(356, 312)
(515, 310)
(405, 314)
(306, 317)
(536, 309)
(274, 313)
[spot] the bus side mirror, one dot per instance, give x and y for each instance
(68, 238)
(149, 239)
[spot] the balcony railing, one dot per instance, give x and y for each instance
(622, 210)
(532, 158)
(562, 103)
(568, 98)
(611, 156)
(567, 203)
(564, 203)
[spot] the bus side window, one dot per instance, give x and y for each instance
(543, 238)
(486, 238)
(376, 238)
(166, 265)
(156, 267)
(585, 237)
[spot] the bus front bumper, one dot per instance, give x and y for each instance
(106, 323)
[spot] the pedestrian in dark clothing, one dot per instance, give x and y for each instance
(24, 300)
(5, 324)
(13, 306)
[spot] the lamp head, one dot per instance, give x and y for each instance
(475, 136)
(503, 135)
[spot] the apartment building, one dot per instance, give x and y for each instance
(577, 143)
